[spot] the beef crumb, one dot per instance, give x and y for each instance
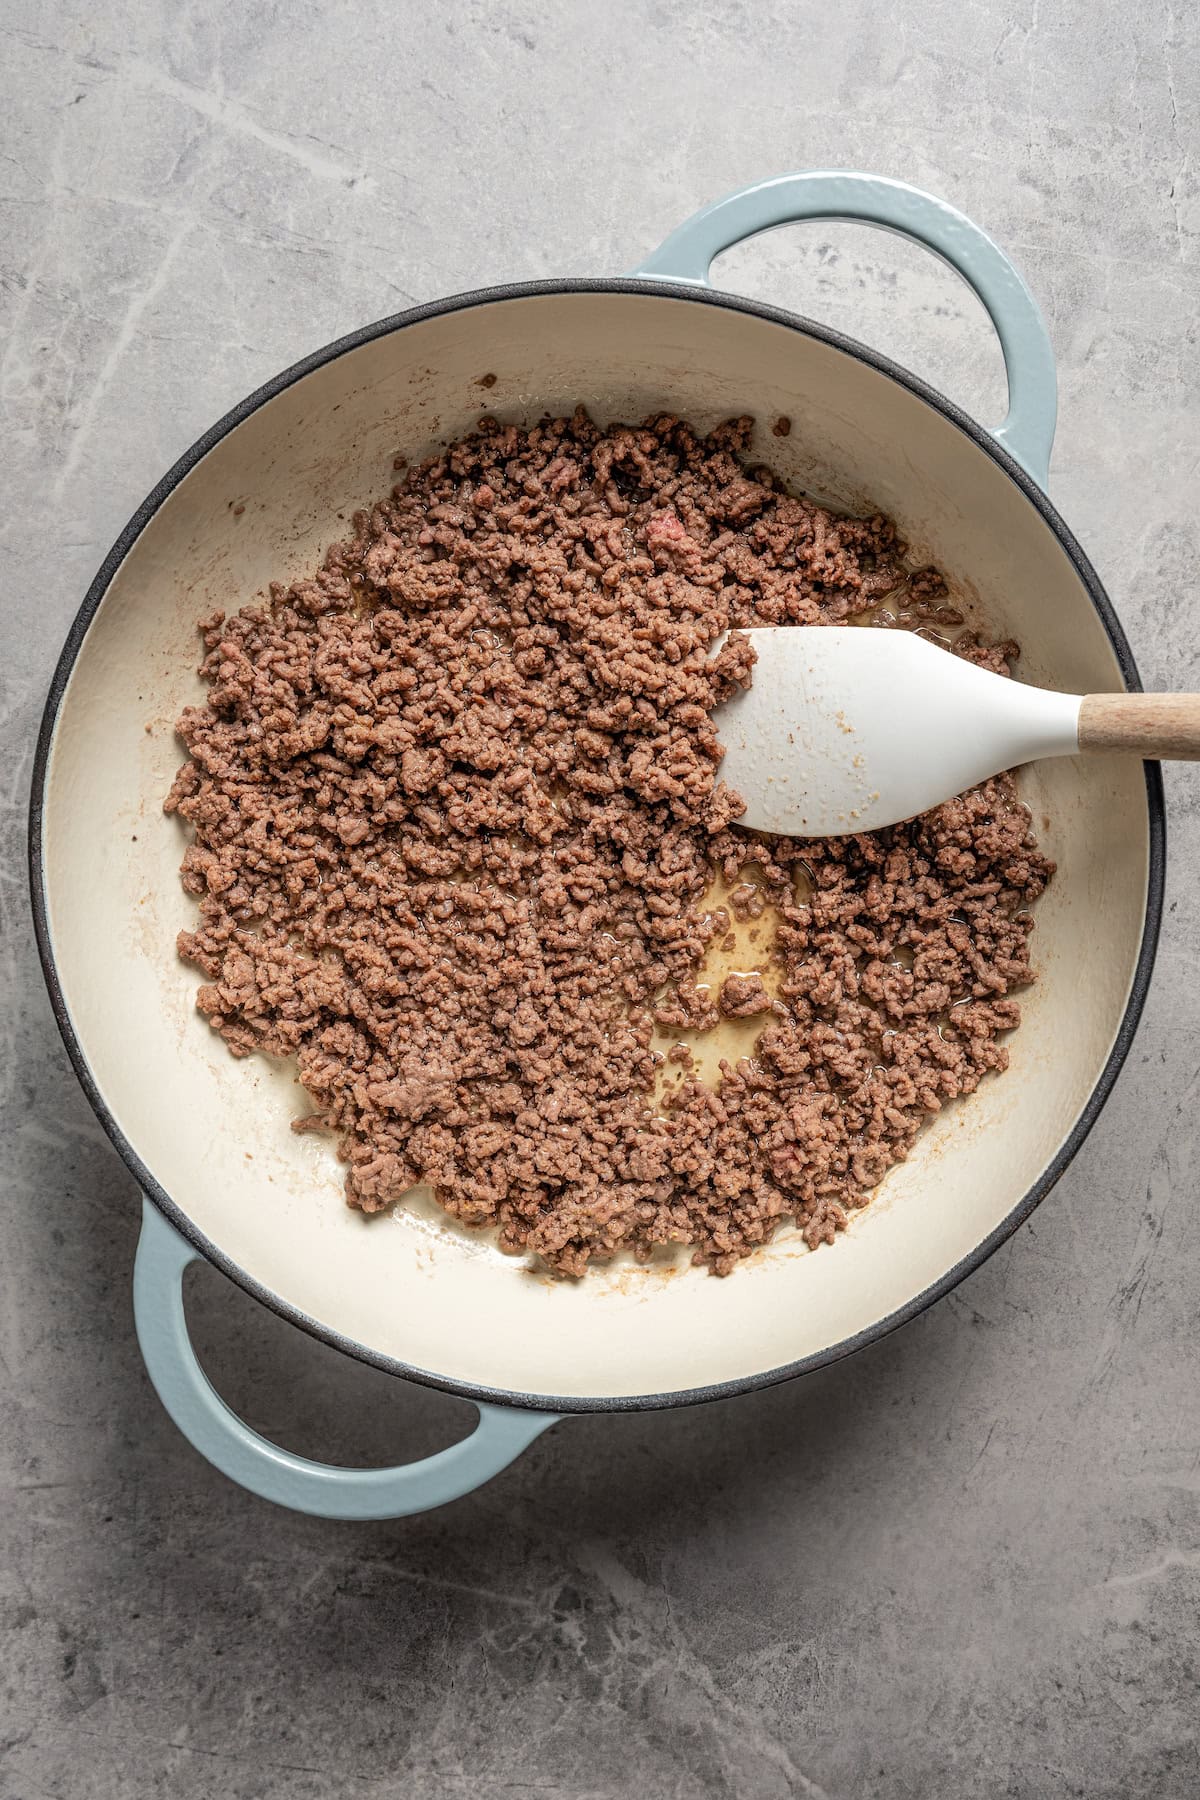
(456, 805)
(743, 996)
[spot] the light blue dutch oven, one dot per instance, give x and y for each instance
(207, 1139)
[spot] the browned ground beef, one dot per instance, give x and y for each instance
(456, 809)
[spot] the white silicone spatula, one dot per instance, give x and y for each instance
(846, 729)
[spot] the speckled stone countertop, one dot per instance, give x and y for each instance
(965, 1563)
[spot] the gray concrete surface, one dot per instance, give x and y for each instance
(964, 1564)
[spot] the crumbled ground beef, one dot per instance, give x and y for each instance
(456, 810)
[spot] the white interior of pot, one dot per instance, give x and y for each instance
(215, 1133)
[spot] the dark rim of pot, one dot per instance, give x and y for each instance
(694, 296)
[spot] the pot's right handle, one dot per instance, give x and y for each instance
(266, 1470)
(1028, 431)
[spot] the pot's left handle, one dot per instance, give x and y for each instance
(262, 1467)
(1028, 431)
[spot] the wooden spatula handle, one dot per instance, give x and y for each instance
(1152, 725)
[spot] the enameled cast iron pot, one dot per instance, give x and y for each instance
(207, 1137)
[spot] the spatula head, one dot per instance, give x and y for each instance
(848, 729)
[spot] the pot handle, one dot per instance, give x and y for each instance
(1028, 431)
(262, 1467)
